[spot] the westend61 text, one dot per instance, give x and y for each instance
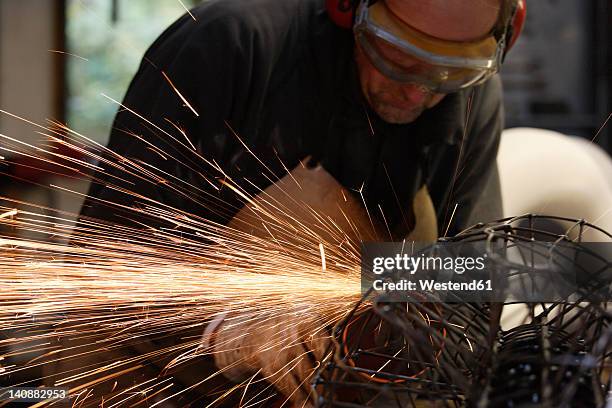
(430, 285)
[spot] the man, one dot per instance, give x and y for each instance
(292, 84)
(402, 103)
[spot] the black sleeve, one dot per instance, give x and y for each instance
(192, 89)
(476, 176)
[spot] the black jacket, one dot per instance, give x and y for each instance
(281, 77)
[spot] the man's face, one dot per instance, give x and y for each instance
(453, 20)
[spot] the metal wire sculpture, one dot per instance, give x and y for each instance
(432, 350)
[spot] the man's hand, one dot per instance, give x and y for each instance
(285, 349)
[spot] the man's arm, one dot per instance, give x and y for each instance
(148, 128)
(197, 84)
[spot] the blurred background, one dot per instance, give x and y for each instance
(57, 58)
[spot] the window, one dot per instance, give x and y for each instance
(106, 40)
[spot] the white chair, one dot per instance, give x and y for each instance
(548, 173)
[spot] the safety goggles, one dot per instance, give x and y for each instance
(407, 55)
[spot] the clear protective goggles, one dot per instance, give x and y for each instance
(404, 54)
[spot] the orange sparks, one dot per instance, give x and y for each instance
(322, 251)
(180, 94)
(68, 53)
(102, 287)
(10, 213)
(187, 10)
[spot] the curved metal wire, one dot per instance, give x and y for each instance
(426, 353)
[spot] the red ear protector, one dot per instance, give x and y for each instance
(516, 23)
(342, 13)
